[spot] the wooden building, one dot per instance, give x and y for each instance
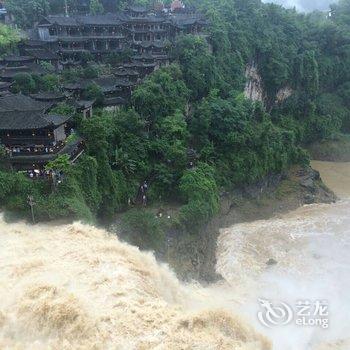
(31, 135)
(136, 27)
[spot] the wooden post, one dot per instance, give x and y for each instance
(31, 204)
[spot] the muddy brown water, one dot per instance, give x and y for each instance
(311, 248)
(336, 176)
(76, 287)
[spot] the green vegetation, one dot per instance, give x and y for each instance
(142, 229)
(31, 83)
(28, 12)
(199, 189)
(9, 37)
(190, 132)
(64, 201)
(96, 7)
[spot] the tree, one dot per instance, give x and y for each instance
(310, 74)
(161, 94)
(168, 150)
(90, 72)
(9, 38)
(111, 185)
(199, 189)
(94, 92)
(142, 229)
(49, 82)
(197, 64)
(60, 164)
(24, 82)
(63, 109)
(27, 12)
(96, 7)
(86, 175)
(117, 58)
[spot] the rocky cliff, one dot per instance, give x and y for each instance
(254, 88)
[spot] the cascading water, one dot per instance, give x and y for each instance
(76, 287)
(299, 257)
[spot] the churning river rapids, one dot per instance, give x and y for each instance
(76, 287)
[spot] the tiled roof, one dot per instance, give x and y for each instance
(14, 58)
(125, 72)
(148, 19)
(24, 120)
(83, 103)
(4, 85)
(107, 83)
(19, 102)
(183, 20)
(48, 96)
(30, 68)
(114, 101)
(75, 21)
(137, 9)
(98, 20)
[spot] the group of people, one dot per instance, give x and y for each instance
(38, 173)
(19, 150)
(45, 174)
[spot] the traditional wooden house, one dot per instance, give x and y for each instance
(5, 87)
(72, 36)
(110, 86)
(114, 103)
(49, 97)
(8, 74)
(184, 23)
(31, 135)
(17, 61)
(127, 74)
(5, 16)
(43, 55)
(137, 11)
(143, 69)
(84, 107)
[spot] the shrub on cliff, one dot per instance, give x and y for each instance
(142, 228)
(199, 190)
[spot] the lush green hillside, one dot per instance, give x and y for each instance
(191, 133)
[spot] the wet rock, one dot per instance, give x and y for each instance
(309, 199)
(271, 262)
(308, 183)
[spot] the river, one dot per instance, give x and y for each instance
(76, 287)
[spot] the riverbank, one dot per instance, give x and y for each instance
(194, 256)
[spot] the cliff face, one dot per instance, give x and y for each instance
(194, 256)
(254, 89)
(283, 94)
